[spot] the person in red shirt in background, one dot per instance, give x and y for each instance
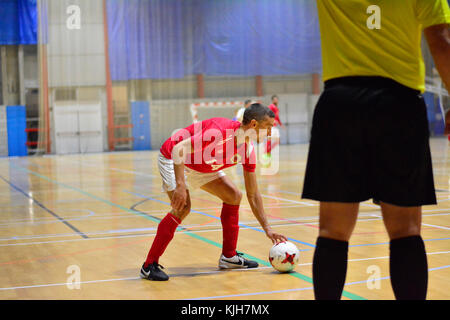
(274, 139)
(274, 108)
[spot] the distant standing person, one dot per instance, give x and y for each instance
(274, 139)
(240, 113)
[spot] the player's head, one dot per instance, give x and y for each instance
(247, 103)
(258, 118)
(275, 99)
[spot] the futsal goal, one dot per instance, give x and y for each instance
(205, 110)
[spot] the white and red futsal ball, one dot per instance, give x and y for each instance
(284, 256)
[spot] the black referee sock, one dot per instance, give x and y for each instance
(329, 268)
(409, 268)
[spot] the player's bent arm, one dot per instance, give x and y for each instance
(256, 203)
(179, 154)
(255, 199)
(438, 38)
(179, 197)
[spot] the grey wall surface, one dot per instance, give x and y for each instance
(76, 57)
(31, 67)
(186, 88)
(3, 133)
(10, 75)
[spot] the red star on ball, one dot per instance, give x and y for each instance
(289, 258)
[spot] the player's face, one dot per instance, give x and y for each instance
(264, 128)
(275, 100)
(258, 131)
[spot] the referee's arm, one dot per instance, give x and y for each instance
(438, 38)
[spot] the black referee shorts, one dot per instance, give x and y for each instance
(370, 139)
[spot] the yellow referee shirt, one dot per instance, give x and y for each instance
(377, 37)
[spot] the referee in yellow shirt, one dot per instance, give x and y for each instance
(370, 135)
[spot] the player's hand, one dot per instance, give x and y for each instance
(179, 198)
(275, 236)
(447, 122)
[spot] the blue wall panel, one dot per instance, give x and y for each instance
(140, 118)
(434, 113)
(17, 137)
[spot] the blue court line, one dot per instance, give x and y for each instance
(259, 230)
(439, 268)
(45, 208)
(191, 234)
(350, 295)
(215, 217)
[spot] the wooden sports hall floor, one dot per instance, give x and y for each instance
(80, 226)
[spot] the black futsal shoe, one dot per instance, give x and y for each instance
(153, 272)
(236, 262)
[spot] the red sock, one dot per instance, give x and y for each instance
(166, 230)
(230, 226)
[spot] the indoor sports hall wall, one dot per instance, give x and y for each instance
(67, 59)
(296, 112)
(171, 39)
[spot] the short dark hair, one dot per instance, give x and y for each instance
(274, 96)
(258, 112)
(247, 102)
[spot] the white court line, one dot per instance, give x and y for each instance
(206, 272)
(296, 289)
(278, 198)
(197, 231)
(250, 223)
(377, 258)
(72, 240)
(65, 284)
(115, 237)
(90, 164)
(435, 226)
(289, 200)
(117, 215)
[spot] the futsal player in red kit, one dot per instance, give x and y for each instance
(195, 156)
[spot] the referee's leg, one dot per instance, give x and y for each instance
(337, 221)
(403, 182)
(408, 261)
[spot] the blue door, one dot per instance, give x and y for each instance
(140, 118)
(17, 137)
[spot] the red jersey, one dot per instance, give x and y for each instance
(213, 146)
(275, 110)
